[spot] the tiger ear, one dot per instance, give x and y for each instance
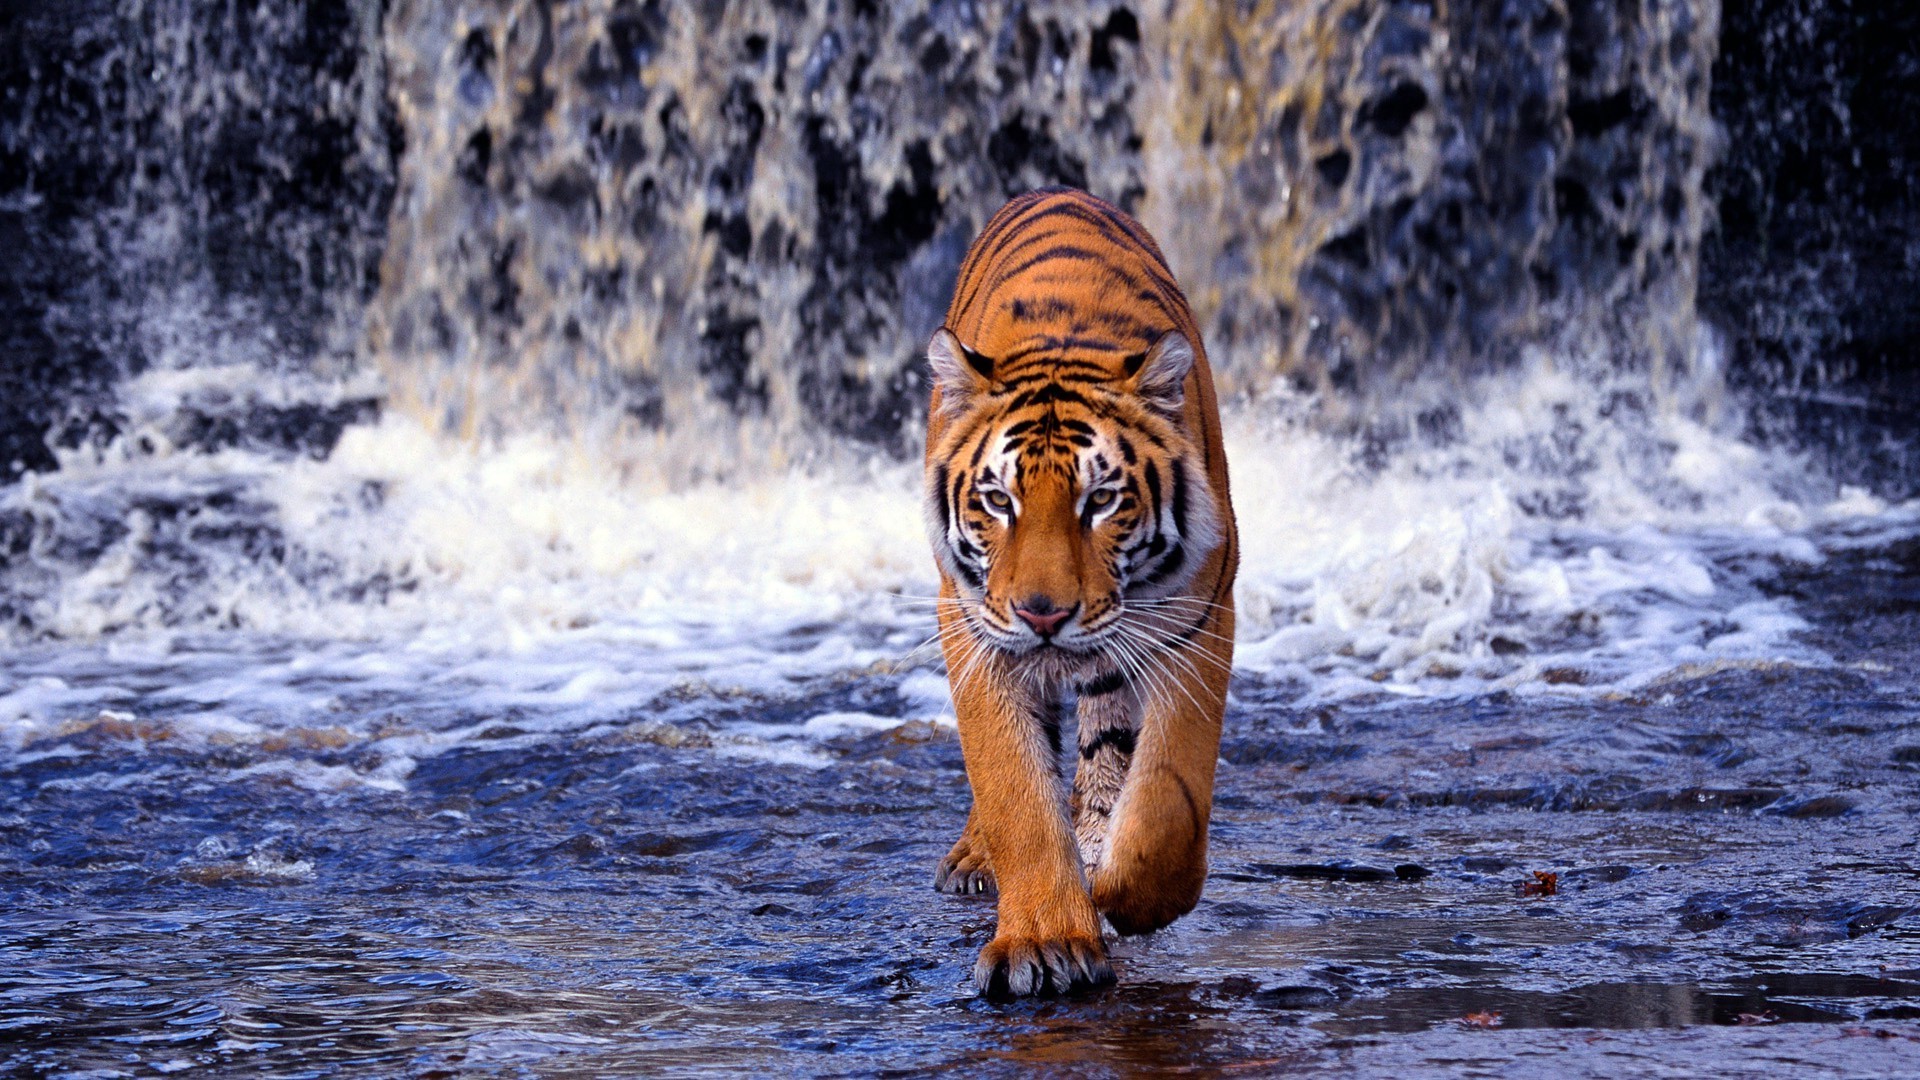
(958, 372)
(1159, 375)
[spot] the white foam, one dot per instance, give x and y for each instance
(432, 588)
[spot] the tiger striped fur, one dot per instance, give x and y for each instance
(1078, 509)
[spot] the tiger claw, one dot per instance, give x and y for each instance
(964, 872)
(963, 880)
(1011, 967)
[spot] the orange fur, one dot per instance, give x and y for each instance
(1077, 503)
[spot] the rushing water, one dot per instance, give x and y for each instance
(511, 660)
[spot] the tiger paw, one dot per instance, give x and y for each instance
(1014, 966)
(964, 871)
(1140, 907)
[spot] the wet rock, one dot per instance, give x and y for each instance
(1296, 997)
(661, 734)
(309, 429)
(1336, 871)
(1289, 996)
(1813, 806)
(1788, 920)
(1706, 799)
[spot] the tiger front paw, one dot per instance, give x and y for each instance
(1015, 966)
(964, 871)
(1136, 905)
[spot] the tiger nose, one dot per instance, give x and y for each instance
(1041, 614)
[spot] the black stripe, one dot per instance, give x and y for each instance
(1078, 341)
(1050, 307)
(1123, 324)
(979, 450)
(1105, 684)
(1168, 567)
(1125, 242)
(1058, 251)
(1120, 738)
(946, 508)
(987, 245)
(1079, 374)
(1180, 498)
(1050, 394)
(1125, 223)
(1029, 236)
(1049, 718)
(1048, 343)
(1193, 804)
(1113, 225)
(955, 485)
(968, 574)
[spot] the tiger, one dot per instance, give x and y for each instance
(1076, 500)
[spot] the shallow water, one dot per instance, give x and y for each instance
(430, 759)
(1737, 880)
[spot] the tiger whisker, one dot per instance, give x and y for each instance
(1161, 657)
(1187, 657)
(1140, 674)
(1160, 616)
(1192, 601)
(1169, 633)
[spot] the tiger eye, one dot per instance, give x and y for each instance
(1099, 499)
(999, 500)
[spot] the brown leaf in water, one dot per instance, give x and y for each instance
(1485, 1019)
(1756, 1019)
(1544, 883)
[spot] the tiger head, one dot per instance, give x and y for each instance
(1069, 500)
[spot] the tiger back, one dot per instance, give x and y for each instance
(1077, 504)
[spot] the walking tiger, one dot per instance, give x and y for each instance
(1076, 499)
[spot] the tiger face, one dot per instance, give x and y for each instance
(1067, 502)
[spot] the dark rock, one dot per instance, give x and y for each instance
(1709, 799)
(1296, 997)
(1815, 806)
(1337, 871)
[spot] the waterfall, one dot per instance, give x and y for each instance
(518, 317)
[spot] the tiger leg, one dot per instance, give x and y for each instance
(965, 869)
(1156, 859)
(1048, 937)
(1109, 720)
